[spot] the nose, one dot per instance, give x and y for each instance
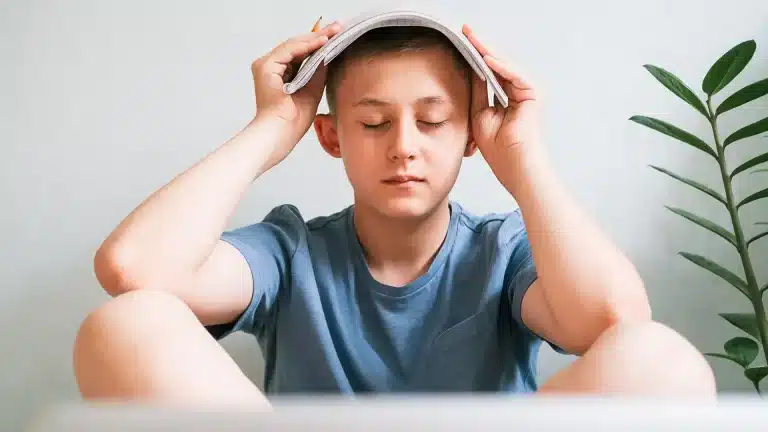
(403, 142)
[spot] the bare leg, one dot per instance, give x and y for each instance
(148, 346)
(644, 359)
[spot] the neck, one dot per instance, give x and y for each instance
(400, 250)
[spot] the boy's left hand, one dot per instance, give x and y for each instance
(504, 136)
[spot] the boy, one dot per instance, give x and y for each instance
(405, 291)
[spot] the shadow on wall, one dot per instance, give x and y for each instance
(245, 350)
(39, 328)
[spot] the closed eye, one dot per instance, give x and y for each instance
(374, 126)
(436, 125)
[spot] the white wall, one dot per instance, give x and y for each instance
(102, 102)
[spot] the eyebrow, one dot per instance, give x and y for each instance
(426, 100)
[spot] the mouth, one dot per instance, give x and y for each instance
(403, 180)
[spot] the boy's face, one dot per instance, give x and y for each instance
(402, 128)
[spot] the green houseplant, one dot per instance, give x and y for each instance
(742, 350)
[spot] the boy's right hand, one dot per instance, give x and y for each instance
(293, 114)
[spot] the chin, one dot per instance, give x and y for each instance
(406, 207)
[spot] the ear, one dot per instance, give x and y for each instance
(325, 128)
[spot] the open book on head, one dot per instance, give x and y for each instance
(353, 30)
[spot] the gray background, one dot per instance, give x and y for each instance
(103, 102)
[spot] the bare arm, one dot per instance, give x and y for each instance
(585, 284)
(171, 241)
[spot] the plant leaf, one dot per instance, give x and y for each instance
(724, 356)
(764, 288)
(678, 87)
(727, 67)
(756, 374)
(757, 160)
(717, 269)
(754, 197)
(751, 130)
(674, 132)
(745, 95)
(757, 237)
(759, 171)
(746, 322)
(707, 190)
(705, 223)
(743, 349)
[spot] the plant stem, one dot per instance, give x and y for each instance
(752, 285)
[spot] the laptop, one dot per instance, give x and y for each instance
(425, 413)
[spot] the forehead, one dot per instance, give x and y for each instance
(404, 78)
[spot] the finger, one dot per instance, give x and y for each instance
(285, 60)
(296, 50)
(286, 64)
(519, 90)
(312, 38)
(479, 46)
(329, 30)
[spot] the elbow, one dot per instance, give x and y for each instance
(627, 306)
(113, 271)
(630, 305)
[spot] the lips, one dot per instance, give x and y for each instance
(403, 179)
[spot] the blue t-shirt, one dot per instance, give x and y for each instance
(326, 325)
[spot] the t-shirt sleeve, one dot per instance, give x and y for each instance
(521, 269)
(268, 247)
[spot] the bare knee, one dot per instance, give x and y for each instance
(657, 359)
(130, 313)
(641, 358)
(110, 334)
(149, 346)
